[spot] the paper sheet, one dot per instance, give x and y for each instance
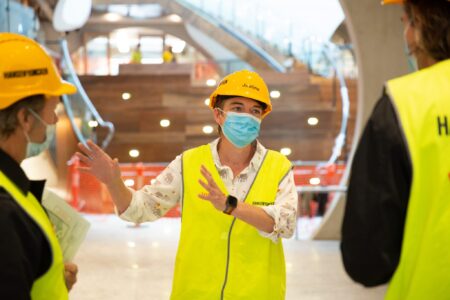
(71, 228)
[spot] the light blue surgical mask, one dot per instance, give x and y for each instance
(240, 129)
(412, 61)
(34, 149)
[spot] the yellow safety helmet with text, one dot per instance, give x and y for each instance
(26, 69)
(246, 84)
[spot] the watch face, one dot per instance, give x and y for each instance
(232, 201)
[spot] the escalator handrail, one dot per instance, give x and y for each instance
(242, 38)
(86, 100)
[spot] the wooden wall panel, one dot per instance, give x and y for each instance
(172, 97)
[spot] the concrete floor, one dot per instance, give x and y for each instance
(118, 261)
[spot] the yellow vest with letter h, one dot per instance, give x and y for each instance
(51, 284)
(422, 100)
(219, 256)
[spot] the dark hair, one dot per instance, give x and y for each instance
(8, 116)
(432, 19)
(220, 100)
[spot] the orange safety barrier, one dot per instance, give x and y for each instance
(89, 195)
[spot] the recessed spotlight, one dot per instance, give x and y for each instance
(174, 18)
(313, 121)
(112, 17)
(164, 123)
(126, 96)
(286, 151)
(208, 129)
(207, 101)
(92, 123)
(129, 182)
(314, 181)
(211, 82)
(275, 94)
(134, 153)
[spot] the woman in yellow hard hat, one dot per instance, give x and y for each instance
(31, 263)
(238, 200)
(397, 217)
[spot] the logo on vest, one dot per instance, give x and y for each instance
(443, 126)
(263, 203)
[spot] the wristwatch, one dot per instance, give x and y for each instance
(230, 204)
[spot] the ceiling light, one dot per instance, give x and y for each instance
(134, 153)
(126, 96)
(92, 123)
(275, 94)
(112, 17)
(314, 181)
(207, 101)
(313, 121)
(129, 182)
(211, 82)
(131, 244)
(174, 18)
(286, 151)
(208, 129)
(164, 123)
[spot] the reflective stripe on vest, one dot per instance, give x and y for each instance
(219, 256)
(51, 284)
(422, 100)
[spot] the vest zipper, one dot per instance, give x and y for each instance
(231, 228)
(228, 259)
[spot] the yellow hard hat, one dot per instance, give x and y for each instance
(246, 84)
(392, 2)
(26, 69)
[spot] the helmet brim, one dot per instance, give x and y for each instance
(385, 2)
(65, 88)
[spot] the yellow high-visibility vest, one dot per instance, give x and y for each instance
(219, 256)
(422, 100)
(51, 284)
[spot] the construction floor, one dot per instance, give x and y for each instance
(120, 261)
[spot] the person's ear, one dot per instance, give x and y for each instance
(218, 116)
(24, 119)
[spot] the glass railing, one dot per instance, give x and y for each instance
(210, 15)
(293, 29)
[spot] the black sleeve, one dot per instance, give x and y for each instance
(377, 199)
(24, 251)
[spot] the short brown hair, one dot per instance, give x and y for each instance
(432, 19)
(8, 116)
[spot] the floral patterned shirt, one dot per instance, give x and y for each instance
(153, 201)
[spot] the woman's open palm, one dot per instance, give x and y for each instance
(97, 163)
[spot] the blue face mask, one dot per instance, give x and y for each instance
(34, 149)
(241, 129)
(412, 62)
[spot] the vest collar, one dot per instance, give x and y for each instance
(14, 172)
(255, 162)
